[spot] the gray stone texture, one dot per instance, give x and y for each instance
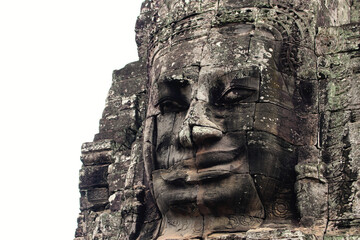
(302, 116)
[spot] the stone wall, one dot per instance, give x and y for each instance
(111, 178)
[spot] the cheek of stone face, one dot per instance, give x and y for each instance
(236, 118)
(181, 197)
(230, 196)
(277, 88)
(272, 162)
(168, 149)
(271, 156)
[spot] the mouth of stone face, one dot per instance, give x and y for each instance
(213, 165)
(213, 160)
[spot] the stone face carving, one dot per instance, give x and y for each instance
(216, 167)
(238, 122)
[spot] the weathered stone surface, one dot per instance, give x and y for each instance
(94, 199)
(93, 176)
(241, 120)
(338, 39)
(125, 105)
(97, 146)
(312, 201)
(117, 172)
(343, 229)
(264, 234)
(284, 123)
(96, 158)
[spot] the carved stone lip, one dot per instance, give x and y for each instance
(192, 177)
(213, 159)
(200, 176)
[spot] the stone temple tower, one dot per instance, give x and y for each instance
(240, 120)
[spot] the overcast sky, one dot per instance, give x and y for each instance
(56, 62)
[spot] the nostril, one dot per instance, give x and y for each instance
(201, 134)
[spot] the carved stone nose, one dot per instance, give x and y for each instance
(202, 134)
(197, 127)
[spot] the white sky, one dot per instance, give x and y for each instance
(56, 63)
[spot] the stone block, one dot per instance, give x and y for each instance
(195, 27)
(94, 199)
(354, 141)
(122, 128)
(312, 202)
(339, 119)
(96, 158)
(166, 65)
(97, 146)
(237, 4)
(117, 176)
(285, 124)
(124, 119)
(109, 225)
(332, 40)
(296, 4)
(347, 229)
(139, 177)
(282, 233)
(335, 137)
(336, 67)
(174, 11)
(271, 156)
(342, 237)
(118, 103)
(116, 201)
(133, 71)
(344, 200)
(209, 4)
(342, 170)
(314, 170)
(308, 154)
(81, 227)
(239, 117)
(98, 195)
(355, 12)
(92, 220)
(124, 166)
(93, 176)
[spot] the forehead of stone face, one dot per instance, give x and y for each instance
(245, 49)
(173, 59)
(231, 48)
(237, 45)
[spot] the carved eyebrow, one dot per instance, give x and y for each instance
(245, 82)
(175, 80)
(249, 79)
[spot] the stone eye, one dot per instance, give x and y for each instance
(170, 105)
(235, 94)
